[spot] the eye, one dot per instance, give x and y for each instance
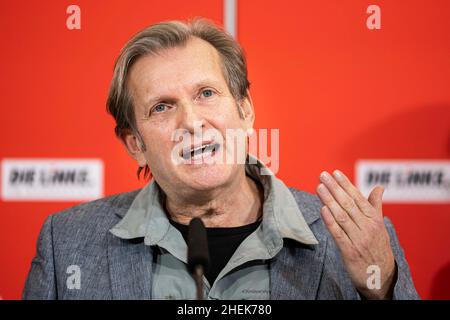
(207, 93)
(159, 108)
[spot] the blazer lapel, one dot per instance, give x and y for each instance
(296, 271)
(130, 268)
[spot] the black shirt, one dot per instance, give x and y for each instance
(222, 243)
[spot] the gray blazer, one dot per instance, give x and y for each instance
(113, 268)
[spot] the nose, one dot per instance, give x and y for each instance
(189, 117)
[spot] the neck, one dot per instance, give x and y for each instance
(236, 205)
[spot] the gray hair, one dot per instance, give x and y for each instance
(165, 35)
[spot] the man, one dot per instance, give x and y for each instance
(266, 241)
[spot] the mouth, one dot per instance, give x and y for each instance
(196, 153)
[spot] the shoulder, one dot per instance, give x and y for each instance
(92, 218)
(310, 206)
(308, 203)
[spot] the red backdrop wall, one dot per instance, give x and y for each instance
(337, 91)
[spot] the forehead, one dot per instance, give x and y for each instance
(175, 69)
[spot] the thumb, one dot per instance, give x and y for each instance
(375, 197)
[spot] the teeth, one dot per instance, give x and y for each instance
(196, 151)
(200, 150)
(193, 150)
(210, 148)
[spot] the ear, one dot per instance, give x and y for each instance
(134, 148)
(247, 111)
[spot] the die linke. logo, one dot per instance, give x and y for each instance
(406, 181)
(51, 179)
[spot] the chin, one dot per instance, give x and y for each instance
(207, 177)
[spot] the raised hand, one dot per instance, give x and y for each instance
(357, 226)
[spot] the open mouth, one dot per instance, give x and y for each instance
(200, 152)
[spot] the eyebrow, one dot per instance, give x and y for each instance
(198, 85)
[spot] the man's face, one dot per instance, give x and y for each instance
(178, 89)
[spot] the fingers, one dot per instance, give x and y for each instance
(376, 197)
(336, 231)
(340, 216)
(343, 199)
(353, 192)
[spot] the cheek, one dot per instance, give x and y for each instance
(226, 120)
(224, 115)
(157, 139)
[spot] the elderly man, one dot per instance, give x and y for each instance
(266, 241)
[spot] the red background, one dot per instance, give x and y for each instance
(337, 91)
